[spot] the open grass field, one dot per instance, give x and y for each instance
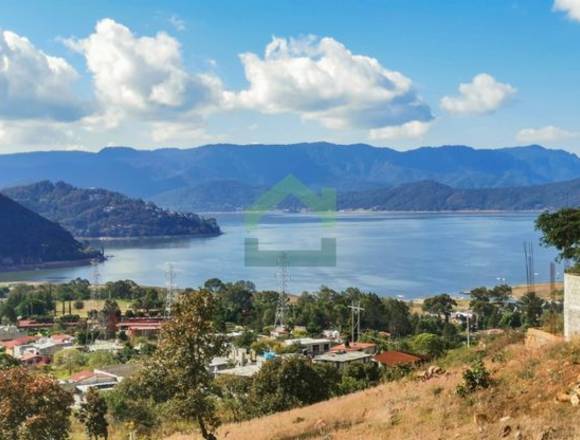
(91, 304)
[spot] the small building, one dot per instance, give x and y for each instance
(397, 359)
(365, 347)
(141, 327)
(14, 345)
(118, 372)
(249, 370)
(312, 347)
(30, 359)
(218, 364)
(344, 358)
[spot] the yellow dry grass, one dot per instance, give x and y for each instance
(527, 383)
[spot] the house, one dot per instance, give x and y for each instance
(248, 370)
(333, 335)
(397, 358)
(118, 372)
(15, 344)
(141, 327)
(344, 358)
(310, 346)
(365, 347)
(31, 324)
(34, 360)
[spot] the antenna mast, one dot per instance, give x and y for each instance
(170, 293)
(281, 319)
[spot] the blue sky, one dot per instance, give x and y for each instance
(83, 75)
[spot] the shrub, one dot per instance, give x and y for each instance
(475, 378)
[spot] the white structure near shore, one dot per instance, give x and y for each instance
(571, 306)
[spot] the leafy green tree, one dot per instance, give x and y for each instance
(70, 359)
(178, 370)
(441, 305)
(532, 308)
(92, 414)
(285, 383)
(33, 406)
(561, 229)
(7, 361)
(489, 304)
(109, 317)
(428, 344)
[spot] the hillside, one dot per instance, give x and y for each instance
(146, 174)
(27, 239)
(520, 405)
(433, 196)
(101, 213)
(417, 196)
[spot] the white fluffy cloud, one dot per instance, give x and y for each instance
(483, 95)
(320, 79)
(143, 76)
(570, 7)
(546, 134)
(409, 130)
(34, 85)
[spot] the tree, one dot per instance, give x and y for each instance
(561, 229)
(110, 317)
(532, 308)
(178, 370)
(92, 414)
(441, 305)
(32, 407)
(7, 361)
(428, 344)
(70, 359)
(285, 383)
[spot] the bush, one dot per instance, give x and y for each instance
(475, 378)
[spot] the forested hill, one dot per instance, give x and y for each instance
(418, 196)
(102, 213)
(433, 196)
(27, 239)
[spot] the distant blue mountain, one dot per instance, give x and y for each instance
(149, 174)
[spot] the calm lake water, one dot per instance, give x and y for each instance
(410, 255)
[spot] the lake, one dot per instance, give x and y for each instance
(410, 255)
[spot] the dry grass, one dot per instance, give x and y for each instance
(527, 383)
(91, 304)
(542, 290)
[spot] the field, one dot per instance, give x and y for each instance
(91, 304)
(521, 404)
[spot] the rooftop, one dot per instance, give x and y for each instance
(307, 341)
(353, 346)
(245, 371)
(349, 356)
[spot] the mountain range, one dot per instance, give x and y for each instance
(151, 173)
(96, 213)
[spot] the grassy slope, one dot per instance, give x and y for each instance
(527, 384)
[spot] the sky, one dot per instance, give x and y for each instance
(391, 73)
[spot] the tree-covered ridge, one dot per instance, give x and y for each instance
(425, 195)
(101, 213)
(26, 238)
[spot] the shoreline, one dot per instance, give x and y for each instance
(376, 211)
(49, 265)
(148, 237)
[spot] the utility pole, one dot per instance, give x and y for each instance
(468, 331)
(355, 310)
